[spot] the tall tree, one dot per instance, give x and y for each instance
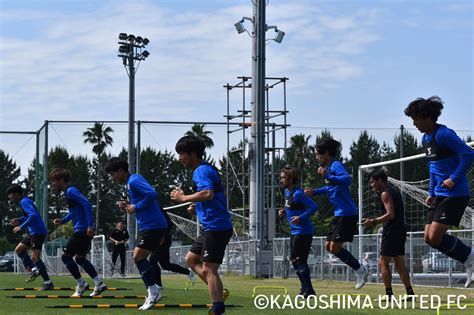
(198, 130)
(99, 136)
(298, 153)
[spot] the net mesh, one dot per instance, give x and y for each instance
(414, 194)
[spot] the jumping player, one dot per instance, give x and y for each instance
(37, 231)
(207, 252)
(162, 256)
(394, 231)
(449, 158)
(298, 208)
(150, 220)
(344, 224)
(80, 212)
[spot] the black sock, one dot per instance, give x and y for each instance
(87, 266)
(348, 259)
(25, 258)
(410, 291)
(388, 291)
(42, 269)
(71, 266)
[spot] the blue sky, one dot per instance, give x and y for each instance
(353, 64)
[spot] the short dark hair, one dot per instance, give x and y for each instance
(421, 108)
(14, 189)
(58, 173)
(292, 173)
(190, 144)
(379, 173)
(115, 164)
(328, 145)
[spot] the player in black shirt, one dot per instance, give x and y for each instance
(120, 237)
(394, 231)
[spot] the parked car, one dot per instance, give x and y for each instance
(330, 259)
(370, 261)
(6, 263)
(435, 262)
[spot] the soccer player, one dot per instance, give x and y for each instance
(80, 212)
(298, 208)
(344, 224)
(207, 252)
(162, 256)
(150, 220)
(120, 237)
(449, 158)
(37, 231)
(394, 231)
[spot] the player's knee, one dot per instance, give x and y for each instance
(190, 260)
(328, 247)
(66, 259)
(80, 260)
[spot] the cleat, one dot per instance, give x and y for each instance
(81, 289)
(33, 275)
(192, 276)
(301, 292)
(47, 286)
(151, 300)
(225, 294)
(99, 289)
(362, 278)
(212, 311)
(307, 294)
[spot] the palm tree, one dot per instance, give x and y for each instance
(298, 152)
(198, 131)
(99, 137)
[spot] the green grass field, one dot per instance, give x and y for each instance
(174, 293)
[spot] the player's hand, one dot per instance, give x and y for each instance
(295, 220)
(177, 195)
(309, 192)
(90, 231)
(14, 222)
(57, 222)
(117, 242)
(191, 209)
(429, 200)
(281, 212)
(16, 229)
(130, 209)
(122, 204)
(367, 222)
(321, 170)
(448, 183)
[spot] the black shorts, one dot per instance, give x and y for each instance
(211, 245)
(300, 244)
(34, 241)
(342, 229)
(447, 210)
(149, 239)
(393, 242)
(78, 244)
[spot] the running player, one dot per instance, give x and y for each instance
(162, 256)
(37, 231)
(150, 220)
(80, 212)
(207, 252)
(394, 232)
(449, 158)
(344, 224)
(298, 208)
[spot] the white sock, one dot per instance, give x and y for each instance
(97, 281)
(47, 282)
(153, 289)
(360, 270)
(34, 268)
(470, 258)
(80, 282)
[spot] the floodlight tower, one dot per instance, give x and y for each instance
(257, 140)
(132, 51)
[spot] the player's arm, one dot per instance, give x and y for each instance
(466, 155)
(30, 211)
(79, 198)
(149, 194)
(387, 201)
(338, 175)
(311, 206)
(67, 217)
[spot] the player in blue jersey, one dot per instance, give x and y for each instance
(449, 158)
(31, 221)
(80, 212)
(298, 208)
(143, 201)
(344, 223)
(207, 252)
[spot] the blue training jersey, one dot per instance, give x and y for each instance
(145, 200)
(80, 210)
(337, 190)
(297, 204)
(31, 218)
(448, 157)
(212, 214)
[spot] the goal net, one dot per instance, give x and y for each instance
(414, 190)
